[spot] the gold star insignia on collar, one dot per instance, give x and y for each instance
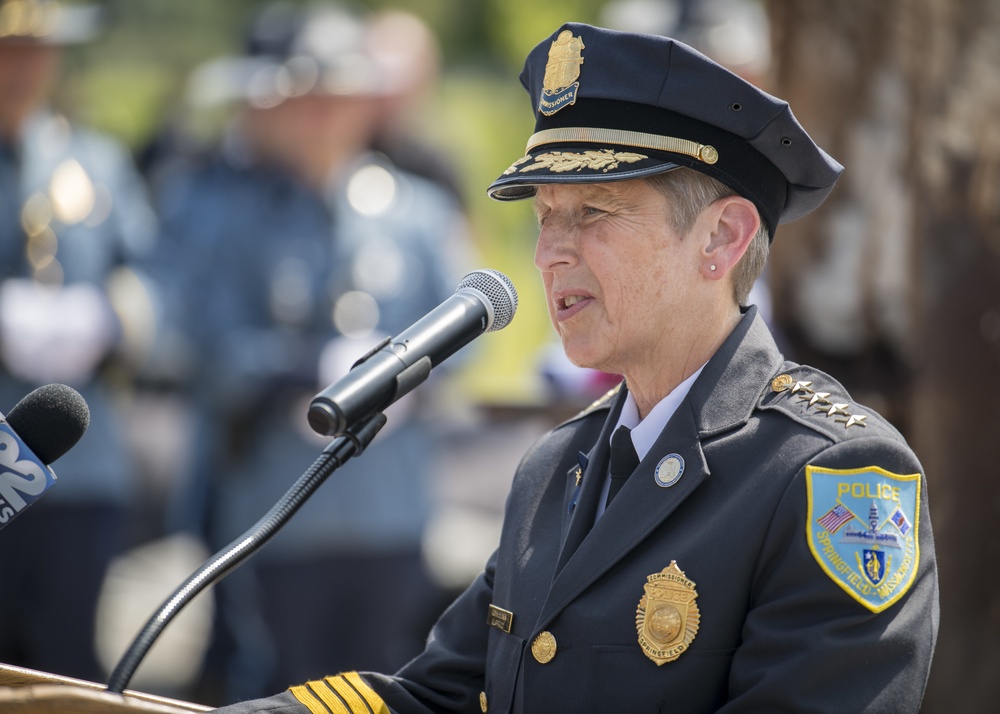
(816, 398)
(854, 420)
(801, 387)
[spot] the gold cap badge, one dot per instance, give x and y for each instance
(667, 618)
(559, 84)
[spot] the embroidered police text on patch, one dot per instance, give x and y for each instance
(861, 526)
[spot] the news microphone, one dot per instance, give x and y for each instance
(39, 429)
(485, 301)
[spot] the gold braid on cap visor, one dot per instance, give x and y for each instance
(635, 139)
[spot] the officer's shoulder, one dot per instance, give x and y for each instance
(819, 402)
(601, 405)
(549, 453)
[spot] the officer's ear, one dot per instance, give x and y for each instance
(730, 223)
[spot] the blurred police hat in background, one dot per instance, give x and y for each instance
(734, 33)
(49, 22)
(293, 50)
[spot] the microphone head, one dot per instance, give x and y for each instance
(50, 420)
(499, 293)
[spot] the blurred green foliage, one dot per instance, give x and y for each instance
(131, 83)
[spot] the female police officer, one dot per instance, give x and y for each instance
(761, 542)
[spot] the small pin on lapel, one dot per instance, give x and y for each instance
(669, 470)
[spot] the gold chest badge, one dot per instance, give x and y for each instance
(667, 618)
(559, 84)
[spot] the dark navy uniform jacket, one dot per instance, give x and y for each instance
(785, 620)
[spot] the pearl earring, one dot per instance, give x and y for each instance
(712, 268)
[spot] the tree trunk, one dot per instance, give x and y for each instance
(894, 285)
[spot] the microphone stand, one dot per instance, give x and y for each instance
(351, 443)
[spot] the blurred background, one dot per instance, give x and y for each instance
(893, 286)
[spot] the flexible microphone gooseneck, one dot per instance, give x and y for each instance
(239, 551)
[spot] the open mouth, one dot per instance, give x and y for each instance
(571, 304)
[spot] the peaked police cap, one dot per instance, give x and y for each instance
(615, 105)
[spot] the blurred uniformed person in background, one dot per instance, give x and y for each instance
(408, 50)
(74, 221)
(729, 531)
(299, 250)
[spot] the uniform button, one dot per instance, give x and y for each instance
(544, 647)
(482, 702)
(782, 383)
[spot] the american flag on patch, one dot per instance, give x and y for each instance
(899, 518)
(836, 517)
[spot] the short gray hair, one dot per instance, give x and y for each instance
(690, 192)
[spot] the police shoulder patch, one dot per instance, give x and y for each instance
(861, 526)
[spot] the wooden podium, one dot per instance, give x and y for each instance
(26, 691)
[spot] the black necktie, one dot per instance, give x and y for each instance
(623, 461)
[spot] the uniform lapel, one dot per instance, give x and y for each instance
(638, 509)
(722, 399)
(581, 518)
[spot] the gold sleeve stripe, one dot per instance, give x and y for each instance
(622, 137)
(343, 694)
(354, 702)
(307, 699)
(333, 702)
(375, 702)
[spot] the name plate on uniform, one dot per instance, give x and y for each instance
(500, 618)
